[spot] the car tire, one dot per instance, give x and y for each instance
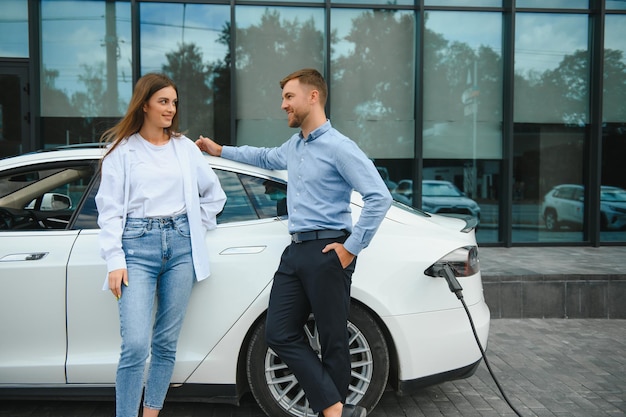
(276, 389)
(552, 222)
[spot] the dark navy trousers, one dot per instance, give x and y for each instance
(309, 281)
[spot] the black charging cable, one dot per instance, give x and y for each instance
(447, 273)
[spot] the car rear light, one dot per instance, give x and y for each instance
(463, 262)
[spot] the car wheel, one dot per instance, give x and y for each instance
(276, 389)
(552, 222)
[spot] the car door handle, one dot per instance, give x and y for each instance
(243, 250)
(35, 256)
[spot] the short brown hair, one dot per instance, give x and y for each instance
(311, 77)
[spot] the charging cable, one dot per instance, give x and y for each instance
(447, 273)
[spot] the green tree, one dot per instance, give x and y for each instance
(268, 51)
(186, 67)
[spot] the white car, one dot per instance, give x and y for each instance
(60, 331)
(438, 197)
(564, 205)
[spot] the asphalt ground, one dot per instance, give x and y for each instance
(546, 367)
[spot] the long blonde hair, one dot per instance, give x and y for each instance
(133, 120)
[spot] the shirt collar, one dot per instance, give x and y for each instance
(317, 132)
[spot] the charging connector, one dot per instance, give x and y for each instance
(453, 283)
(445, 271)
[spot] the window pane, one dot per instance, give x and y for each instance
(551, 113)
(43, 197)
(268, 197)
(613, 201)
(238, 207)
(366, 2)
(14, 29)
(553, 4)
(615, 5)
(462, 137)
(372, 90)
(464, 3)
(190, 43)
(86, 54)
(271, 43)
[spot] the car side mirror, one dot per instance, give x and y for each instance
(60, 202)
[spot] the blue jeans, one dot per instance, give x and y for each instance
(160, 268)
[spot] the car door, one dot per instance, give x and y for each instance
(244, 251)
(34, 251)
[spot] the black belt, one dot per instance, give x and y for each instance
(300, 237)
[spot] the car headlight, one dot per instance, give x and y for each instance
(463, 262)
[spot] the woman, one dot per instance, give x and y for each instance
(157, 198)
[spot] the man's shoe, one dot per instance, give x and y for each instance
(350, 410)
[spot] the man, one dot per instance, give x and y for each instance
(315, 270)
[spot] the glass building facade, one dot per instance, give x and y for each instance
(512, 111)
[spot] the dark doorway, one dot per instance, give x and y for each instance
(14, 109)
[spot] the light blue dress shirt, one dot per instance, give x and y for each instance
(323, 169)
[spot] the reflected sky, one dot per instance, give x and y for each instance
(164, 27)
(14, 29)
(473, 28)
(543, 40)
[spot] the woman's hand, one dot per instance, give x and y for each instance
(116, 278)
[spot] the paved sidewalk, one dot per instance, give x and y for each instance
(547, 367)
(552, 261)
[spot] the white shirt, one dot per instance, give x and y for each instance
(156, 177)
(203, 195)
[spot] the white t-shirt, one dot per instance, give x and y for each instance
(156, 182)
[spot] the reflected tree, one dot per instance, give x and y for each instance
(54, 102)
(376, 77)
(195, 100)
(268, 51)
(221, 81)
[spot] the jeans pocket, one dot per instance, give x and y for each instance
(183, 229)
(133, 231)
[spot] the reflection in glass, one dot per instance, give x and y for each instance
(553, 4)
(366, 2)
(551, 113)
(190, 43)
(373, 80)
(612, 206)
(464, 3)
(10, 115)
(86, 55)
(14, 29)
(270, 44)
(462, 136)
(615, 5)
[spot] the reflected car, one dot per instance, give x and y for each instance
(60, 331)
(563, 206)
(438, 197)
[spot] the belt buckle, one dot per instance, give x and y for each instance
(294, 238)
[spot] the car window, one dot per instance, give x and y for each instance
(247, 198)
(44, 196)
(440, 190)
(251, 198)
(613, 194)
(268, 197)
(564, 192)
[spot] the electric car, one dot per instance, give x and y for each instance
(60, 331)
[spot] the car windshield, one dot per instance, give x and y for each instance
(613, 195)
(440, 190)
